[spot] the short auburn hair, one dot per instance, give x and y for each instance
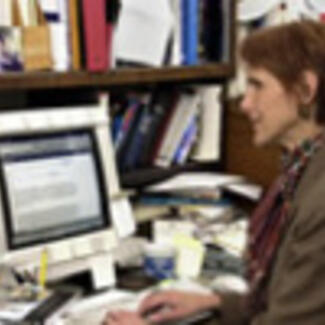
(287, 51)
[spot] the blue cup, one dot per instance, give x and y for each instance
(159, 261)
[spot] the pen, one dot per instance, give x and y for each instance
(43, 271)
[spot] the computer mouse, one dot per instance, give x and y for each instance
(229, 283)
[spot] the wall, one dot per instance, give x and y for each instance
(241, 157)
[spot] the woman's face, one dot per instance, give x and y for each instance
(271, 109)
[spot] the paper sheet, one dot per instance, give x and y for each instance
(250, 191)
(186, 181)
(14, 311)
(143, 31)
(123, 218)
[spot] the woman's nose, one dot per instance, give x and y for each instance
(246, 103)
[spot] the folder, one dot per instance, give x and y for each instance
(95, 34)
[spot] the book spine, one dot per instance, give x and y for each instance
(94, 15)
(190, 31)
(74, 34)
(186, 142)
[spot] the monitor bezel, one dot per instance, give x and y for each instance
(104, 191)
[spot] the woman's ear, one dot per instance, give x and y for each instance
(308, 87)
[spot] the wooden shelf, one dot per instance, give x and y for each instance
(116, 77)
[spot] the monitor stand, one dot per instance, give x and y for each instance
(100, 266)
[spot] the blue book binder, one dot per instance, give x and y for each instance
(135, 148)
(190, 29)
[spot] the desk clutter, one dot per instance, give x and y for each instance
(163, 262)
(210, 236)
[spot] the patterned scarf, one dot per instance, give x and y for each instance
(269, 221)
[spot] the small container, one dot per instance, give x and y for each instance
(159, 261)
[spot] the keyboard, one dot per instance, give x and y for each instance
(92, 310)
(56, 301)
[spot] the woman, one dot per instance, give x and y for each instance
(285, 104)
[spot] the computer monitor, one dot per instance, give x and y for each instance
(57, 178)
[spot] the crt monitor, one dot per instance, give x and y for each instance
(57, 176)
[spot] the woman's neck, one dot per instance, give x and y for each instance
(306, 130)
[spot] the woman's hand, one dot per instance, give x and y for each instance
(124, 318)
(174, 305)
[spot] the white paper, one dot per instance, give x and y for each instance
(212, 212)
(102, 270)
(11, 122)
(319, 5)
(15, 311)
(143, 31)
(49, 6)
(60, 46)
(28, 12)
(176, 53)
(165, 230)
(250, 191)
(254, 9)
(194, 181)
(5, 13)
(233, 238)
(123, 218)
(190, 252)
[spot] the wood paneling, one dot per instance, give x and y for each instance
(259, 165)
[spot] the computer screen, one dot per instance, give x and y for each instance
(52, 187)
(59, 191)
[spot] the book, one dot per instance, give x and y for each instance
(135, 145)
(75, 46)
(10, 49)
(190, 10)
(112, 10)
(132, 106)
(95, 34)
(81, 32)
(159, 107)
(185, 110)
(209, 141)
(163, 128)
(143, 213)
(56, 15)
(212, 30)
(186, 143)
(128, 132)
(36, 43)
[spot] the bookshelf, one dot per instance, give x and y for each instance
(127, 78)
(118, 77)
